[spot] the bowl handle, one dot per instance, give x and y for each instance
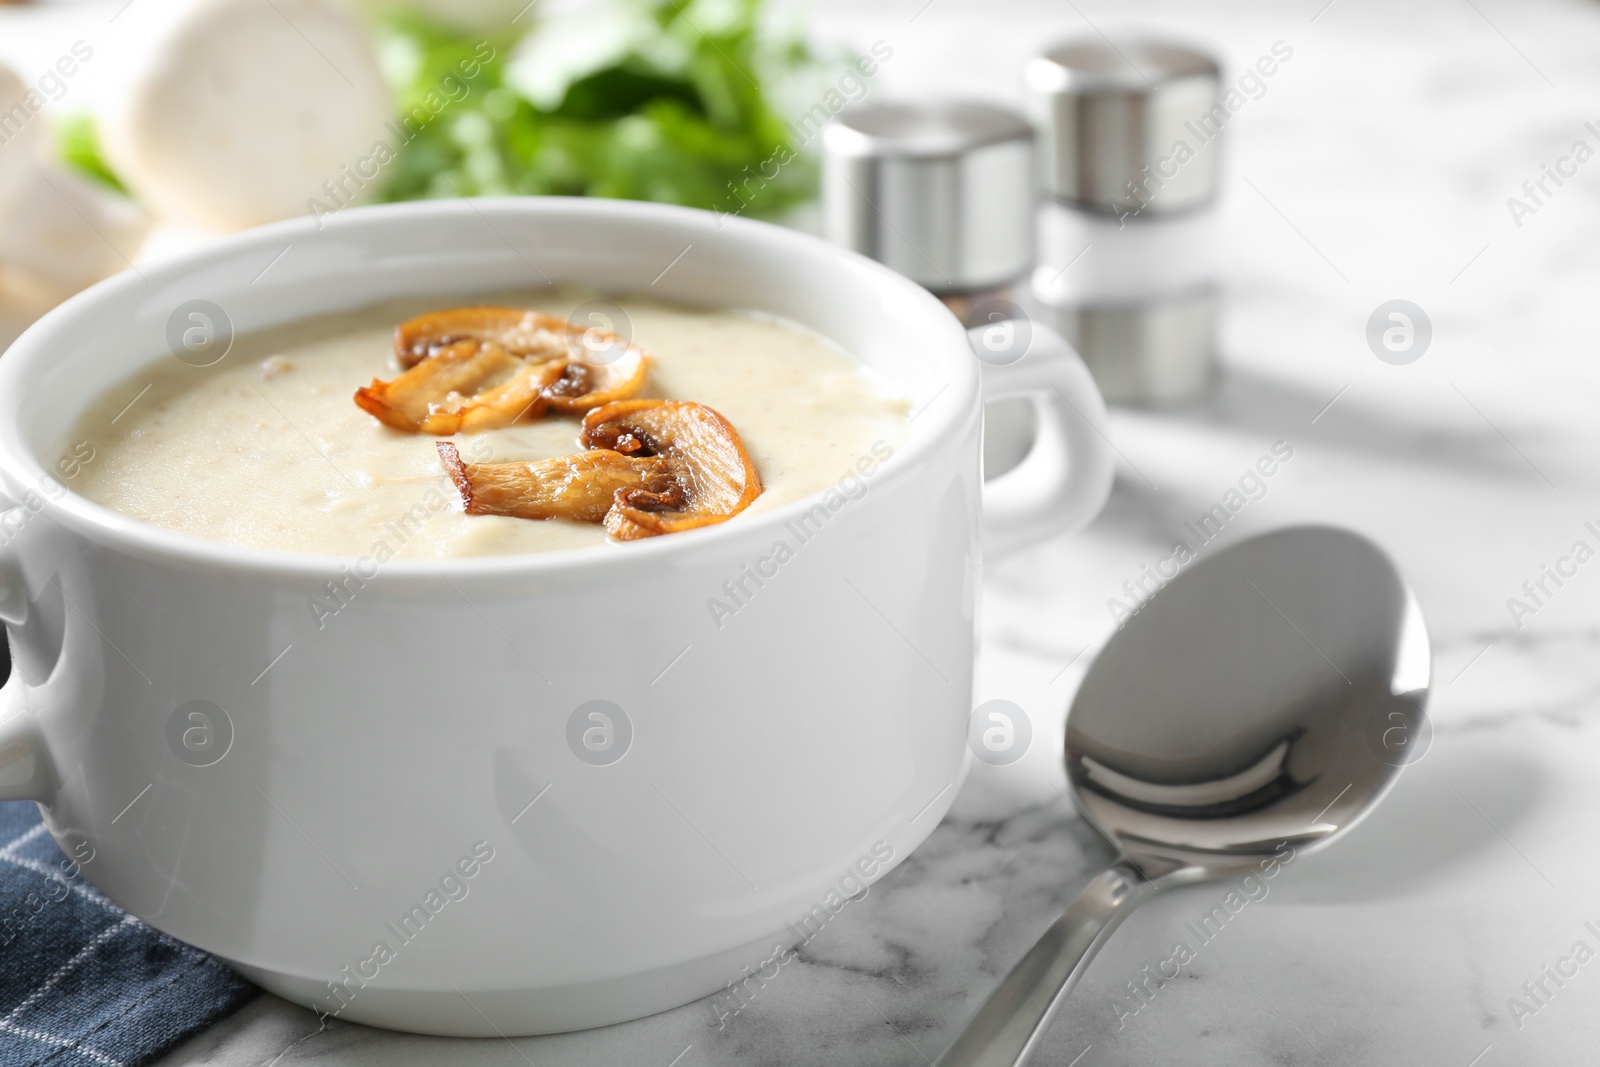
(25, 772)
(1064, 480)
(25, 769)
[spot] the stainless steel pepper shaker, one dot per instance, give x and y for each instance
(945, 194)
(1128, 153)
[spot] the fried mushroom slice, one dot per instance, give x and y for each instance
(582, 487)
(653, 467)
(522, 333)
(598, 365)
(713, 478)
(469, 385)
(585, 384)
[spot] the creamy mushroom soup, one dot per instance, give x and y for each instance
(267, 449)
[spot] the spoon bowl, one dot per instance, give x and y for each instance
(1265, 696)
(1264, 699)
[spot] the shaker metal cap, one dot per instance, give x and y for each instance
(941, 192)
(1127, 125)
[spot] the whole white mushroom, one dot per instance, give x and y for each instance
(240, 112)
(23, 138)
(69, 230)
(59, 231)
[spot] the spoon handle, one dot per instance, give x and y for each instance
(1007, 1027)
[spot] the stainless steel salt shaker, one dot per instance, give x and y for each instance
(944, 193)
(941, 192)
(1128, 152)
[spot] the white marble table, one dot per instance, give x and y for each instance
(1376, 166)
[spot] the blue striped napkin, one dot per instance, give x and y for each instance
(83, 983)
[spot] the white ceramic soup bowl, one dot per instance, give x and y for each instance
(411, 814)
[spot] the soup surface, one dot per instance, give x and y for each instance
(266, 448)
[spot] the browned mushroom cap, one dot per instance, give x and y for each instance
(466, 386)
(601, 366)
(653, 467)
(712, 476)
(581, 487)
(522, 333)
(477, 368)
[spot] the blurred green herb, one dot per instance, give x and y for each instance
(683, 114)
(78, 146)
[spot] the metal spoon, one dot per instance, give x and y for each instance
(1263, 700)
